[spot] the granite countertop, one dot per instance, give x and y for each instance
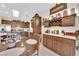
(60, 35)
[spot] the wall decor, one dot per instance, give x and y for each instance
(65, 13)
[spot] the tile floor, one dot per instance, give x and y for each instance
(43, 51)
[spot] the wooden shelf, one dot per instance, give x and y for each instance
(58, 8)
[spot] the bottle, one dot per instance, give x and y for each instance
(63, 32)
(57, 32)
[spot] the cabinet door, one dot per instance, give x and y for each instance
(55, 44)
(46, 23)
(44, 40)
(58, 45)
(63, 46)
(49, 42)
(68, 21)
(68, 47)
(37, 30)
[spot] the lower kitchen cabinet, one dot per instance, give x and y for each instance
(49, 42)
(44, 40)
(60, 45)
(68, 47)
(55, 44)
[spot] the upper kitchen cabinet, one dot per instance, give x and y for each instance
(27, 24)
(46, 23)
(68, 20)
(58, 8)
(59, 16)
(36, 24)
(5, 22)
(63, 21)
(15, 23)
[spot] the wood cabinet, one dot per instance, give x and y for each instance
(62, 21)
(5, 22)
(36, 24)
(60, 45)
(27, 24)
(55, 44)
(45, 40)
(16, 23)
(58, 8)
(68, 20)
(47, 23)
(49, 42)
(68, 47)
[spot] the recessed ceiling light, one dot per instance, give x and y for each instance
(15, 13)
(3, 5)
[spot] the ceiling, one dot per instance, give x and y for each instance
(26, 10)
